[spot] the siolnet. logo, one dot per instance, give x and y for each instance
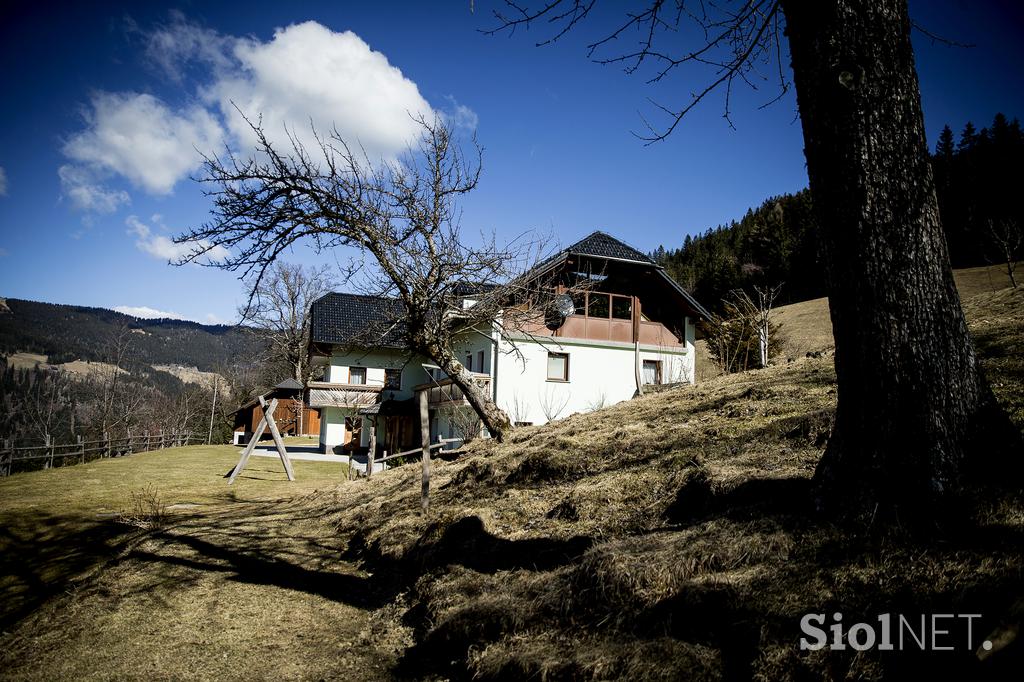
(892, 632)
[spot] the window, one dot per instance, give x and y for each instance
(580, 301)
(357, 375)
(622, 308)
(469, 362)
(393, 379)
(558, 366)
(652, 372)
(597, 305)
(480, 362)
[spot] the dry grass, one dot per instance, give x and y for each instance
(26, 360)
(807, 328)
(192, 375)
(669, 537)
(672, 536)
(150, 567)
(82, 369)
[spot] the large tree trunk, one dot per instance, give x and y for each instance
(910, 395)
(493, 417)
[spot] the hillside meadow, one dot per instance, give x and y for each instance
(668, 537)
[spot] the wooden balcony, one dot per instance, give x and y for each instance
(327, 394)
(444, 392)
(607, 329)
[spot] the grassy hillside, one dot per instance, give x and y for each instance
(236, 579)
(669, 537)
(806, 327)
(66, 333)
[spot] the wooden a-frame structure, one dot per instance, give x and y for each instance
(268, 420)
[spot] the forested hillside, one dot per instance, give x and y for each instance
(66, 333)
(977, 180)
(124, 385)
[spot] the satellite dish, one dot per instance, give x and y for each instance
(565, 305)
(561, 308)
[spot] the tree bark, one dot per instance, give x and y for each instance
(911, 398)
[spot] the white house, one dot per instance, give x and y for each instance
(635, 323)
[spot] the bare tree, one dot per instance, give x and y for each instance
(402, 220)
(1006, 237)
(900, 444)
(279, 312)
(553, 402)
(744, 336)
(598, 402)
(519, 408)
(466, 422)
(45, 404)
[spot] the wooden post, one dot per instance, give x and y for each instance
(272, 423)
(7, 461)
(425, 443)
(373, 446)
(213, 409)
(81, 446)
(267, 420)
(244, 459)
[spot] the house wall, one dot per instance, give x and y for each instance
(473, 342)
(600, 374)
(332, 428)
(375, 363)
(332, 419)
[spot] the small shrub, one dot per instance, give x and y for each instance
(146, 510)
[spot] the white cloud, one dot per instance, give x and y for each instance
(147, 313)
(3, 182)
(214, 319)
(141, 139)
(460, 115)
(82, 188)
(305, 74)
(310, 74)
(163, 247)
(172, 47)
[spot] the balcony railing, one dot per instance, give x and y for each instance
(444, 392)
(327, 394)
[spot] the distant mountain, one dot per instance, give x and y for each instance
(65, 333)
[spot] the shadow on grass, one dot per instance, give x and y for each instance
(44, 556)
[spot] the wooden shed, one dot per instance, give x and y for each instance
(294, 416)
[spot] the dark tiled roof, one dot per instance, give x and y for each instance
(351, 319)
(601, 245)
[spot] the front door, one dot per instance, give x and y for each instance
(353, 432)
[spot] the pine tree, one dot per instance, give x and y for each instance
(944, 148)
(968, 138)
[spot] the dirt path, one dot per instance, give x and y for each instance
(232, 590)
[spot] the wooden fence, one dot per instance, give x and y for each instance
(17, 458)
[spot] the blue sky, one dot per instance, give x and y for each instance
(106, 103)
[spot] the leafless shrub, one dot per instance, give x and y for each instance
(553, 403)
(146, 509)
